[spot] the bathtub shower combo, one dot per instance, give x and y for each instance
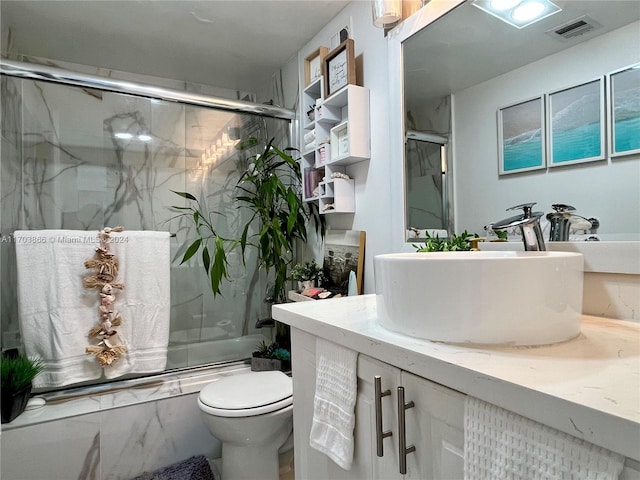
(82, 151)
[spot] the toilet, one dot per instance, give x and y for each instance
(252, 415)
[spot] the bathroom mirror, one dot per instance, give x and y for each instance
(457, 65)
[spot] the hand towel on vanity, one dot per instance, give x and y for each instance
(55, 312)
(144, 303)
(501, 444)
(334, 402)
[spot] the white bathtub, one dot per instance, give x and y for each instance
(212, 351)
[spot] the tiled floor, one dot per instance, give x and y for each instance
(286, 466)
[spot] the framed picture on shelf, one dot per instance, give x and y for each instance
(624, 111)
(339, 67)
(343, 254)
(576, 124)
(521, 145)
(339, 141)
(313, 65)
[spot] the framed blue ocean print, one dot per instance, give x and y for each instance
(576, 124)
(521, 137)
(624, 111)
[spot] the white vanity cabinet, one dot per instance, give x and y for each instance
(433, 425)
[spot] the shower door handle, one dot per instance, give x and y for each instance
(403, 450)
(380, 434)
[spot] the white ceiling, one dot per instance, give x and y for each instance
(233, 44)
(468, 46)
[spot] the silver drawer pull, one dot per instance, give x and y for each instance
(380, 435)
(402, 431)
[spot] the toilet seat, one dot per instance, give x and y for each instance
(248, 394)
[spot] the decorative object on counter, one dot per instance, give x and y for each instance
(339, 67)
(624, 114)
(105, 265)
(576, 124)
(311, 294)
(521, 137)
(17, 372)
(343, 253)
(307, 275)
(453, 243)
(269, 356)
(313, 65)
(344, 176)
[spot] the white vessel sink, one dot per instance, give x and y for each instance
(515, 298)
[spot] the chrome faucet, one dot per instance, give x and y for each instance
(529, 224)
(560, 222)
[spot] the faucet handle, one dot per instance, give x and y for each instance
(525, 207)
(561, 208)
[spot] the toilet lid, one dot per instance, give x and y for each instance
(246, 391)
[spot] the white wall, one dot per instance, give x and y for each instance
(373, 211)
(609, 190)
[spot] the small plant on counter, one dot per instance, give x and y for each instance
(310, 271)
(454, 243)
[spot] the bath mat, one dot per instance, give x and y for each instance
(194, 468)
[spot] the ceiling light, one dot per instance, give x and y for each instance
(501, 5)
(123, 135)
(518, 13)
(144, 137)
(527, 11)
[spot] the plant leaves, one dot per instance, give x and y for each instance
(206, 259)
(193, 248)
(219, 267)
(185, 195)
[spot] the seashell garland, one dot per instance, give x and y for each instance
(109, 346)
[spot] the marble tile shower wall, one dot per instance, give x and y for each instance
(63, 168)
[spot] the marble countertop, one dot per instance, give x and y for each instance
(588, 387)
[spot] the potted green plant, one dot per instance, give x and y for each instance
(269, 356)
(270, 190)
(453, 243)
(307, 275)
(16, 375)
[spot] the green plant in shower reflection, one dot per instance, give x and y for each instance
(269, 189)
(453, 243)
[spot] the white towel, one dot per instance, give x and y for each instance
(56, 312)
(145, 301)
(334, 402)
(501, 444)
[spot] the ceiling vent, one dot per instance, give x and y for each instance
(574, 28)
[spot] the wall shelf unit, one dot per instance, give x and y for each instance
(337, 135)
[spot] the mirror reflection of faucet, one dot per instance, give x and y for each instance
(563, 221)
